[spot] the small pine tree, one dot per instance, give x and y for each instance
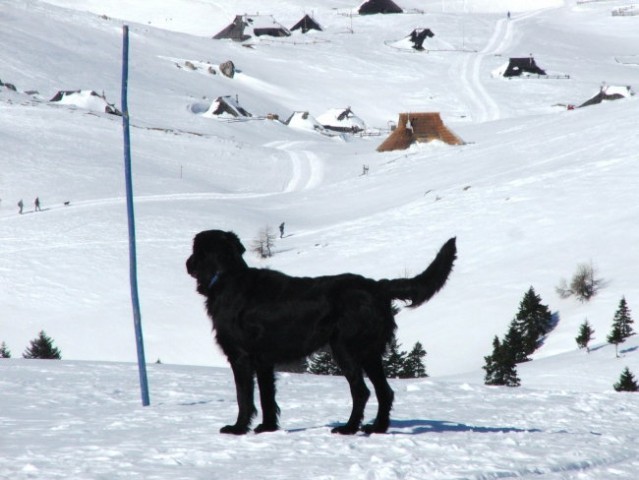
(491, 363)
(322, 363)
(615, 337)
(585, 336)
(42, 347)
(623, 319)
(394, 359)
(4, 351)
(627, 382)
(500, 367)
(413, 364)
(532, 320)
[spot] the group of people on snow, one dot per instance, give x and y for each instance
(36, 204)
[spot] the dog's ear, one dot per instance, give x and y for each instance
(235, 241)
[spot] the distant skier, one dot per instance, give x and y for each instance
(508, 15)
(37, 204)
(20, 206)
(282, 230)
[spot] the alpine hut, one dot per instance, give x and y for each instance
(517, 67)
(341, 120)
(420, 128)
(609, 92)
(306, 24)
(244, 27)
(226, 107)
(370, 7)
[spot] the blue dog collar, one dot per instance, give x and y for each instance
(214, 280)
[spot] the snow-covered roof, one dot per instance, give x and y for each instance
(416, 40)
(226, 107)
(623, 90)
(245, 26)
(609, 92)
(303, 121)
(86, 99)
(341, 119)
(262, 21)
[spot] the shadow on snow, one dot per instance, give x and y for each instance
(417, 427)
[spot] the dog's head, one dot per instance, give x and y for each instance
(214, 252)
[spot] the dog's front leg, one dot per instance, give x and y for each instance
(244, 386)
(270, 410)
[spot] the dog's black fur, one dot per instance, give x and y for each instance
(263, 317)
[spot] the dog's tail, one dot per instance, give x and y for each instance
(421, 288)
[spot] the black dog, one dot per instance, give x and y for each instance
(264, 317)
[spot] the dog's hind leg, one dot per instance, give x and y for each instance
(244, 386)
(359, 392)
(375, 371)
(270, 410)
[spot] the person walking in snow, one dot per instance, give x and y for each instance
(282, 230)
(37, 204)
(20, 206)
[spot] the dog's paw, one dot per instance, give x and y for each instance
(345, 430)
(374, 428)
(266, 427)
(234, 430)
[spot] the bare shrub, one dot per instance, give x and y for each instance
(263, 244)
(562, 289)
(584, 285)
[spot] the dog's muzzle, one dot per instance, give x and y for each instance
(190, 268)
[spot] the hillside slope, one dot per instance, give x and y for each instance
(536, 190)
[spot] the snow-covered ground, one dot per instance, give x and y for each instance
(82, 420)
(536, 190)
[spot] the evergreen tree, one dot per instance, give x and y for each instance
(585, 335)
(532, 320)
(42, 347)
(514, 345)
(322, 363)
(394, 359)
(413, 364)
(491, 363)
(500, 366)
(623, 319)
(299, 365)
(4, 351)
(615, 337)
(627, 382)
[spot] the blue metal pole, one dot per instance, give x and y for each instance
(133, 274)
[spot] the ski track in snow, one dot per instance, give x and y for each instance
(307, 169)
(482, 106)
